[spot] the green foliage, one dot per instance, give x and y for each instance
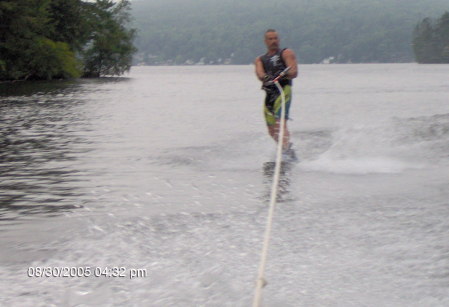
(46, 39)
(23, 22)
(431, 40)
(425, 43)
(443, 32)
(110, 48)
(53, 60)
(176, 31)
(70, 22)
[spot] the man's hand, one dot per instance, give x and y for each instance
(267, 81)
(268, 84)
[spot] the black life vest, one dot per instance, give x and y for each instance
(274, 65)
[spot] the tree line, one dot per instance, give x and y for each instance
(231, 31)
(431, 40)
(47, 39)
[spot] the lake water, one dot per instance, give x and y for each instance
(163, 174)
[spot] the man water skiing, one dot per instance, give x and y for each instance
(268, 67)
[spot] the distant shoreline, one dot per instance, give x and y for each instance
(324, 64)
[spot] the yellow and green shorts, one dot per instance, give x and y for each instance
(273, 103)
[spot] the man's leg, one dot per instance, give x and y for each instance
(272, 117)
(274, 131)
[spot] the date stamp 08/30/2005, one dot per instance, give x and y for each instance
(71, 272)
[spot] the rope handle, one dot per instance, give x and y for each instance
(282, 74)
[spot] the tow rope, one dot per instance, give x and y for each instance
(261, 282)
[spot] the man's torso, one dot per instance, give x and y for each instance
(274, 64)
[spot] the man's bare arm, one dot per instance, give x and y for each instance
(260, 71)
(289, 58)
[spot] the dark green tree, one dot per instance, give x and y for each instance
(46, 39)
(70, 22)
(443, 35)
(26, 52)
(109, 50)
(425, 44)
(431, 40)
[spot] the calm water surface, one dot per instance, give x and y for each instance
(166, 173)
